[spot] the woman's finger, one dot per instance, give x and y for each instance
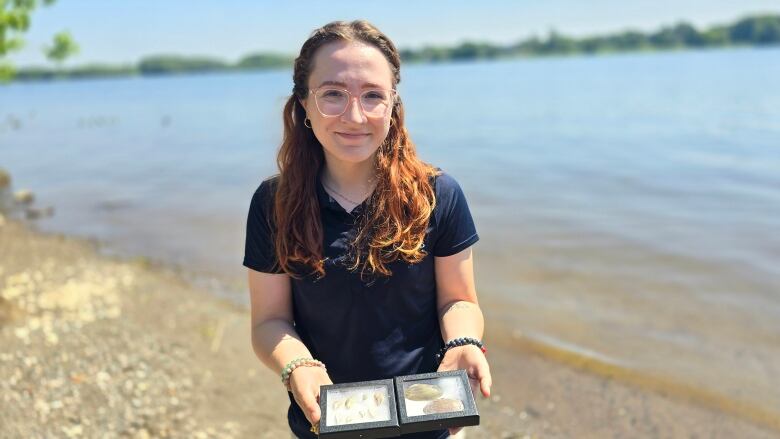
(312, 409)
(485, 379)
(485, 383)
(307, 401)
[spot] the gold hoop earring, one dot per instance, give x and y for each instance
(307, 120)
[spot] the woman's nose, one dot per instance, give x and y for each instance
(354, 112)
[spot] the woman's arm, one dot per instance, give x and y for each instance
(459, 312)
(275, 341)
(460, 316)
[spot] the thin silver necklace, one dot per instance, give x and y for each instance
(342, 196)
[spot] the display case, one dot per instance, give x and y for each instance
(364, 409)
(434, 401)
(392, 407)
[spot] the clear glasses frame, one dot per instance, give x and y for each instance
(393, 100)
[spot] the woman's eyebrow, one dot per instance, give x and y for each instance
(344, 85)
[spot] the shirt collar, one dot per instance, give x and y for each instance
(328, 202)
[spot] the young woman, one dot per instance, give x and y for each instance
(359, 254)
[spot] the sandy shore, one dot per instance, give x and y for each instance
(101, 347)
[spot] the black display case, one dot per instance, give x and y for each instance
(365, 409)
(392, 407)
(433, 401)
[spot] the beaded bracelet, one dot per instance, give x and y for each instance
(462, 341)
(294, 364)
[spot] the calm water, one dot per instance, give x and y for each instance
(629, 206)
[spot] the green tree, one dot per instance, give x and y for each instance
(163, 64)
(14, 21)
(265, 60)
(558, 44)
(716, 36)
(628, 40)
(62, 48)
(757, 30)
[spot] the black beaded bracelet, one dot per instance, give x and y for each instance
(462, 341)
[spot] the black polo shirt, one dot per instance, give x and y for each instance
(364, 328)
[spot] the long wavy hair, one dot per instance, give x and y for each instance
(394, 223)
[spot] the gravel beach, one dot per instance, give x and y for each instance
(94, 346)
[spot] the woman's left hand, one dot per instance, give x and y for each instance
(470, 358)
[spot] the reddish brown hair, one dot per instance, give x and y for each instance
(394, 223)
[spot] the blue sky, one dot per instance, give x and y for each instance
(116, 32)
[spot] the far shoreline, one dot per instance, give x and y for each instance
(755, 31)
(238, 72)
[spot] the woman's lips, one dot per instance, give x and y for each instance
(352, 135)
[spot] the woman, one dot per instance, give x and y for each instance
(359, 256)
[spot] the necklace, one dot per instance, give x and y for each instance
(342, 196)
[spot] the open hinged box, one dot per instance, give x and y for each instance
(405, 404)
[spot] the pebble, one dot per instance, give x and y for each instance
(51, 339)
(24, 196)
(22, 333)
(102, 377)
(5, 179)
(523, 415)
(73, 431)
(42, 407)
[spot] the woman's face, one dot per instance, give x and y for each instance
(353, 136)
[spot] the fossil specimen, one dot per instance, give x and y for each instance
(423, 392)
(443, 405)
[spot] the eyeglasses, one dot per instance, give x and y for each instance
(332, 102)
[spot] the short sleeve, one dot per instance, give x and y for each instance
(259, 250)
(455, 229)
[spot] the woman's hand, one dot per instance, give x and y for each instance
(470, 358)
(305, 384)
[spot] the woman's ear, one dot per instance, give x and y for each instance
(302, 104)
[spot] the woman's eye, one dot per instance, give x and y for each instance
(332, 94)
(374, 95)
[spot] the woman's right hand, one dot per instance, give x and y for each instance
(305, 385)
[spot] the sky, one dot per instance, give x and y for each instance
(124, 31)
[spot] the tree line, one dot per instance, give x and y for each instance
(749, 31)
(762, 30)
